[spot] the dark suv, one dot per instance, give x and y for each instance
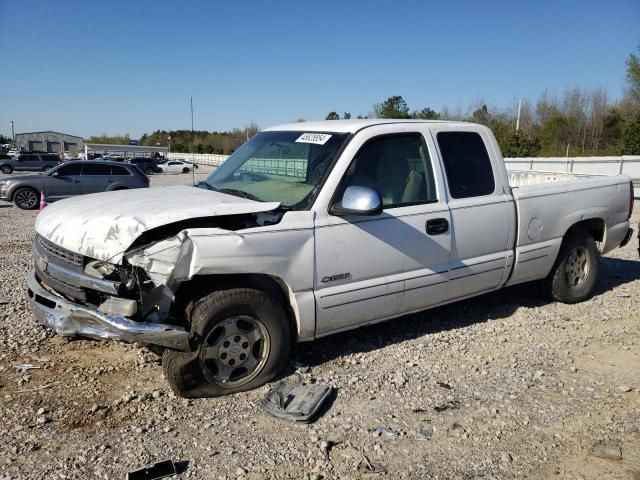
(30, 162)
(147, 164)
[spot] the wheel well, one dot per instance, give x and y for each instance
(594, 226)
(202, 285)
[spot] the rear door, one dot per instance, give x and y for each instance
(482, 214)
(95, 177)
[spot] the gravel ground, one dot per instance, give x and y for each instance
(506, 385)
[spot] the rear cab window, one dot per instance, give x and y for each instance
(466, 163)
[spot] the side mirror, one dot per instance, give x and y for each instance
(358, 201)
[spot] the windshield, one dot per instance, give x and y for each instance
(285, 167)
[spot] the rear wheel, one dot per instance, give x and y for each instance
(574, 274)
(243, 341)
(26, 198)
(6, 169)
(185, 170)
(149, 171)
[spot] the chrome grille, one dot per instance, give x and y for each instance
(63, 254)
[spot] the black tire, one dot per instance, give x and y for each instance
(149, 171)
(185, 170)
(6, 169)
(226, 359)
(26, 198)
(573, 276)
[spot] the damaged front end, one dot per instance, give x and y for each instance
(130, 301)
(76, 295)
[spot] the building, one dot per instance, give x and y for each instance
(52, 142)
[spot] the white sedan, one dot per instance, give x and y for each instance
(176, 166)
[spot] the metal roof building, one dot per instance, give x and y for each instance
(51, 142)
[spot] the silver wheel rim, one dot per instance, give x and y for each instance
(26, 198)
(235, 351)
(577, 267)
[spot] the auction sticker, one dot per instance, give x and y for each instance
(317, 138)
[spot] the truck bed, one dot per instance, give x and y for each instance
(547, 202)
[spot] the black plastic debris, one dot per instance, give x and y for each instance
(159, 470)
(301, 403)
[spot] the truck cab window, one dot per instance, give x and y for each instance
(396, 166)
(466, 163)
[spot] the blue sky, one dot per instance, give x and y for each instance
(92, 67)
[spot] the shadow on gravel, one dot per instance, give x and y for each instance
(614, 272)
(4, 205)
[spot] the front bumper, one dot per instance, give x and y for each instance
(69, 319)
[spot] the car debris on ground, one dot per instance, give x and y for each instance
(298, 402)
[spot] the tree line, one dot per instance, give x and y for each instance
(577, 123)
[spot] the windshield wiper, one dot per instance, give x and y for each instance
(239, 193)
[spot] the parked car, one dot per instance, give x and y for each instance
(366, 220)
(176, 166)
(29, 162)
(147, 164)
(68, 180)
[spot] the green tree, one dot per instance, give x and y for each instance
(482, 116)
(109, 139)
(332, 116)
(555, 135)
(633, 76)
(346, 116)
(631, 137)
(426, 113)
(392, 107)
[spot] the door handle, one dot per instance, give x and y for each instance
(437, 226)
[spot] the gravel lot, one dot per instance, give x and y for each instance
(506, 385)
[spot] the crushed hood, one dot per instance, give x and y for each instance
(104, 225)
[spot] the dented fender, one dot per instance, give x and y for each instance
(279, 251)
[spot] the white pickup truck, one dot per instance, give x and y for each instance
(311, 229)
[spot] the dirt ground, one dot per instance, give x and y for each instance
(507, 385)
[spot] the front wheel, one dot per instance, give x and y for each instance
(243, 341)
(6, 169)
(26, 198)
(573, 276)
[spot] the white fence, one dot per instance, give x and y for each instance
(199, 158)
(625, 164)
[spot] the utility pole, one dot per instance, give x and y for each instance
(13, 134)
(518, 120)
(191, 99)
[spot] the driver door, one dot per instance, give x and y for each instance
(369, 268)
(64, 182)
